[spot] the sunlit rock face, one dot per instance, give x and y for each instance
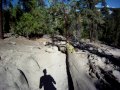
(39, 65)
(78, 69)
(95, 66)
(22, 65)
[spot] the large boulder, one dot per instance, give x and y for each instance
(21, 66)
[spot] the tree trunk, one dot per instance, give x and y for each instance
(117, 35)
(1, 26)
(66, 24)
(95, 32)
(91, 31)
(117, 38)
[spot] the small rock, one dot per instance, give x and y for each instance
(46, 36)
(35, 48)
(13, 43)
(61, 38)
(108, 67)
(99, 50)
(8, 35)
(100, 63)
(117, 75)
(91, 48)
(62, 49)
(49, 50)
(85, 40)
(62, 43)
(44, 43)
(103, 59)
(55, 48)
(90, 57)
(88, 40)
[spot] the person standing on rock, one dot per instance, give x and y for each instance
(47, 81)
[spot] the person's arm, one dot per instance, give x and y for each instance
(53, 80)
(41, 83)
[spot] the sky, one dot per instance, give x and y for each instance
(110, 3)
(113, 3)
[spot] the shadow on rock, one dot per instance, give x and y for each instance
(47, 81)
(94, 50)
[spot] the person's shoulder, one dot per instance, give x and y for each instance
(49, 75)
(42, 77)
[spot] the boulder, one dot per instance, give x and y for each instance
(117, 75)
(23, 62)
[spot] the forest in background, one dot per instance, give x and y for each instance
(75, 19)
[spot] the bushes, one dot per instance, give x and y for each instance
(37, 22)
(32, 23)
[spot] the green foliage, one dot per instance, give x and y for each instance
(56, 21)
(41, 21)
(32, 23)
(110, 32)
(74, 18)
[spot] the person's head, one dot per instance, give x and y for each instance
(45, 71)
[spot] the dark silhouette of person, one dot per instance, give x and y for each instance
(47, 81)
